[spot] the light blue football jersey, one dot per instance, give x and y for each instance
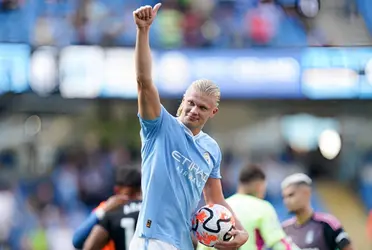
(175, 168)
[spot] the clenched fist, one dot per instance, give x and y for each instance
(145, 15)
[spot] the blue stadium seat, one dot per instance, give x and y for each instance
(365, 9)
(365, 190)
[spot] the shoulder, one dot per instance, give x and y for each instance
(328, 219)
(263, 204)
(208, 139)
(266, 206)
(210, 143)
(289, 222)
(164, 113)
(262, 207)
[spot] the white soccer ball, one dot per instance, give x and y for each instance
(212, 223)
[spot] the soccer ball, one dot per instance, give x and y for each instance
(212, 223)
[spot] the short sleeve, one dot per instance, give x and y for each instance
(270, 227)
(150, 128)
(336, 237)
(216, 171)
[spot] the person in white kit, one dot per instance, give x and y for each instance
(179, 160)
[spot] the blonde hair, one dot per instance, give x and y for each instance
(206, 87)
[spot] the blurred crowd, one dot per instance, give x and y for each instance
(180, 23)
(40, 211)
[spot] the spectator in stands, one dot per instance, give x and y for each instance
(168, 25)
(262, 22)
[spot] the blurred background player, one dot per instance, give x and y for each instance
(179, 160)
(257, 215)
(122, 189)
(309, 229)
(119, 224)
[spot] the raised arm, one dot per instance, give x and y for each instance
(148, 96)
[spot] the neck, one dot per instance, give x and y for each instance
(303, 215)
(195, 131)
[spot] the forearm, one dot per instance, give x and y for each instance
(285, 244)
(82, 233)
(143, 60)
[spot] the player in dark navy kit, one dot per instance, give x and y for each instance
(119, 225)
(308, 229)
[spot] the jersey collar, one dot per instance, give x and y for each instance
(305, 223)
(188, 131)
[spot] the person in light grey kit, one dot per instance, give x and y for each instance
(308, 229)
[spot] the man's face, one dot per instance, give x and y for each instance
(295, 197)
(197, 108)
